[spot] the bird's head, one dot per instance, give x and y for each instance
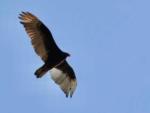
(67, 54)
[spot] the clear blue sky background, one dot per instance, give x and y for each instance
(109, 41)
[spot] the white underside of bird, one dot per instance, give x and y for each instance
(67, 84)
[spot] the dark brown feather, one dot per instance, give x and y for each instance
(41, 38)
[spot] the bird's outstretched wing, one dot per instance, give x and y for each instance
(65, 77)
(41, 38)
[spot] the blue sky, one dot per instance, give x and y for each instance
(109, 43)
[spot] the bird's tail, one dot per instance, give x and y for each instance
(41, 71)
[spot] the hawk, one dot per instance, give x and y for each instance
(53, 57)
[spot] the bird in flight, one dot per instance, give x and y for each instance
(53, 57)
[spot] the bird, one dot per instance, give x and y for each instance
(53, 57)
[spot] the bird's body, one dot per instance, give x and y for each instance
(53, 57)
